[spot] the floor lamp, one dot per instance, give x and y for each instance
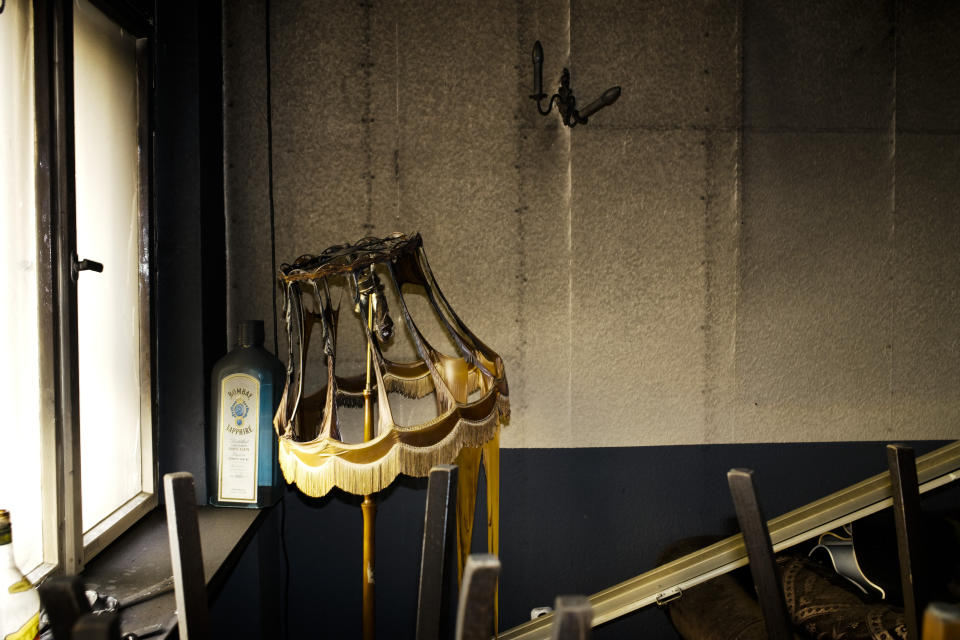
(469, 387)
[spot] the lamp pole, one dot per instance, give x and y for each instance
(368, 506)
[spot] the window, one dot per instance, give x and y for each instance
(113, 305)
(76, 177)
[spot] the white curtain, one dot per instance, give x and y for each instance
(20, 429)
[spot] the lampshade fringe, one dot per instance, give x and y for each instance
(362, 479)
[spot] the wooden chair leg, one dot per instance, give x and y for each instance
(572, 618)
(65, 602)
(763, 567)
(186, 557)
(97, 626)
(941, 621)
(475, 610)
(906, 513)
(438, 555)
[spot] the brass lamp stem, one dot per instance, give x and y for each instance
(368, 506)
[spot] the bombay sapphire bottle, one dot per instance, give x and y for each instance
(246, 385)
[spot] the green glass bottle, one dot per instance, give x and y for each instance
(246, 385)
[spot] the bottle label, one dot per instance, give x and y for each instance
(28, 631)
(239, 438)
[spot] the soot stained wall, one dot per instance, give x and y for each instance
(754, 244)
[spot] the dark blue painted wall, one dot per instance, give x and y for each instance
(572, 521)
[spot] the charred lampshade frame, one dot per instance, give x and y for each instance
(312, 453)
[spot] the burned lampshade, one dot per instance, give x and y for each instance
(469, 387)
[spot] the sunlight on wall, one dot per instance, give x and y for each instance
(19, 374)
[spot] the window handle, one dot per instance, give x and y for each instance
(86, 265)
(90, 265)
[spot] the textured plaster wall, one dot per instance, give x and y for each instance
(757, 243)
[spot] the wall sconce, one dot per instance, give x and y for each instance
(564, 99)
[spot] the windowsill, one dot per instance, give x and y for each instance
(139, 561)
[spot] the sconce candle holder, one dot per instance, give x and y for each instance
(564, 98)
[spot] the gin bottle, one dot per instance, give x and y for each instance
(246, 385)
(19, 601)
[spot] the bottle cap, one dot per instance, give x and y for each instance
(250, 332)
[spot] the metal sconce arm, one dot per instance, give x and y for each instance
(564, 99)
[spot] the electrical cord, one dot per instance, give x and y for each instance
(273, 236)
(286, 567)
(273, 271)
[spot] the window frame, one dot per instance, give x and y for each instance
(66, 547)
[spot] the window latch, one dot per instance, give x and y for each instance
(86, 265)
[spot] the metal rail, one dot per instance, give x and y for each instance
(668, 581)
